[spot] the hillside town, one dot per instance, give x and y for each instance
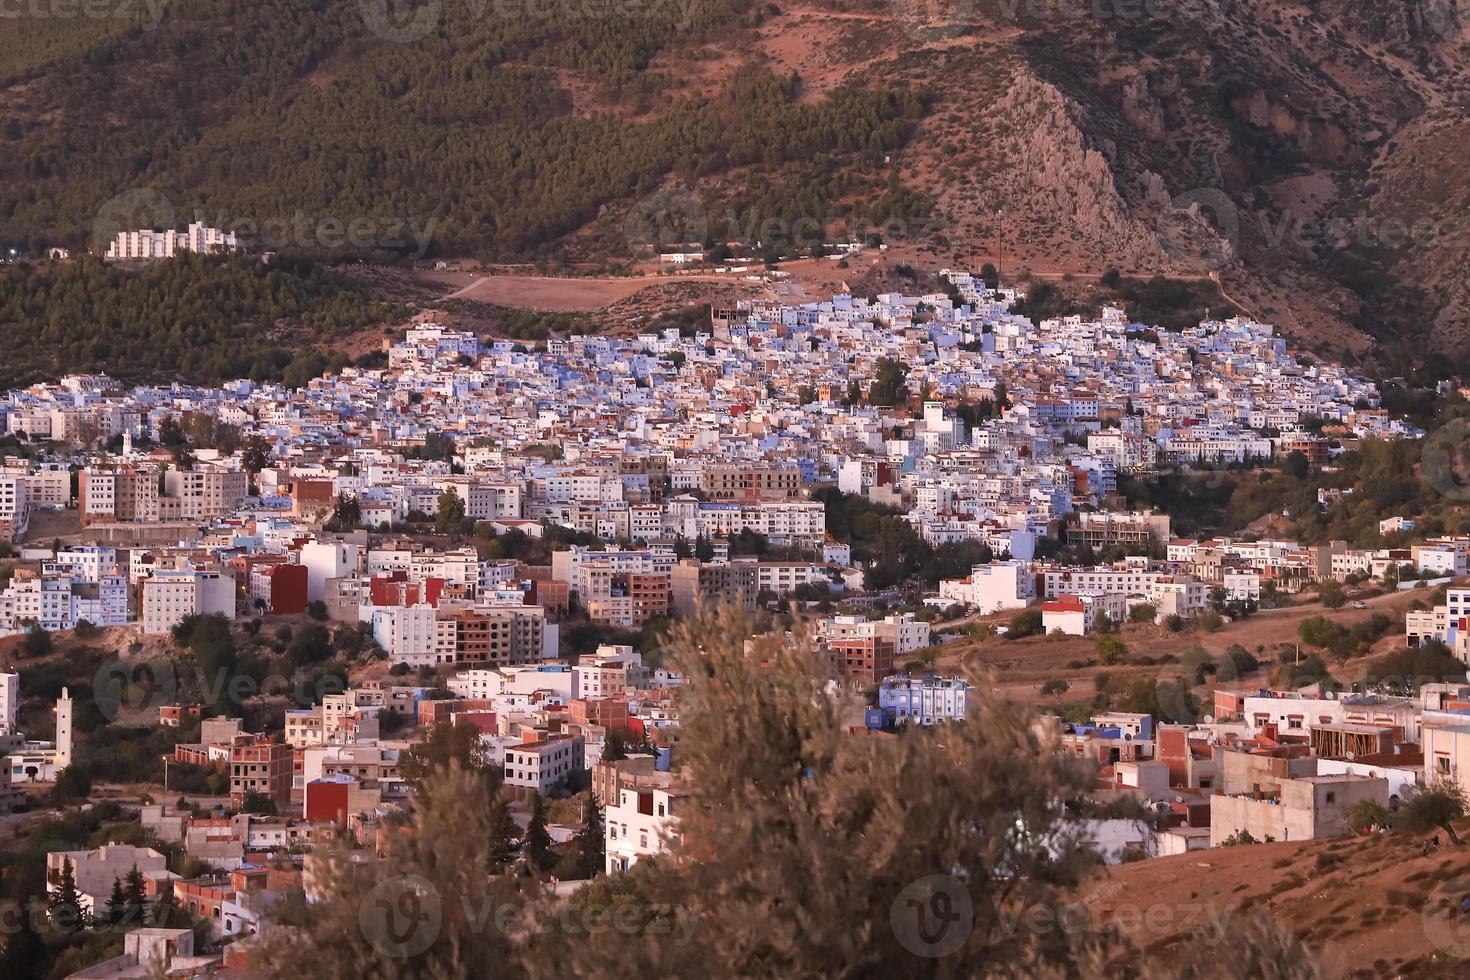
(484, 546)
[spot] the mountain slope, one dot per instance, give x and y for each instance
(1308, 155)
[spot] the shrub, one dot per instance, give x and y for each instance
(1368, 813)
(1027, 622)
(1110, 649)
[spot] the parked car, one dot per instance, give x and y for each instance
(1360, 604)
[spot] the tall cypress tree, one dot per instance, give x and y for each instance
(164, 911)
(117, 903)
(538, 841)
(503, 835)
(591, 847)
(135, 896)
(65, 906)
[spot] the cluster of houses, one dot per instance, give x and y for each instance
(675, 470)
(1264, 765)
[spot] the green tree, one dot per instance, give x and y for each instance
(1027, 622)
(1435, 808)
(346, 514)
(889, 387)
(1332, 594)
(256, 454)
(64, 907)
(310, 645)
(591, 845)
(614, 746)
(504, 835)
(1055, 688)
(37, 642)
(445, 745)
(135, 896)
(74, 783)
(117, 903)
(165, 912)
(254, 802)
(1296, 465)
(450, 515)
(704, 548)
(1110, 649)
(538, 840)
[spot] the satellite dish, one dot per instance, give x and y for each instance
(1127, 738)
(1348, 756)
(1208, 719)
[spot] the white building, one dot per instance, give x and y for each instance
(15, 511)
(171, 595)
(9, 702)
(541, 765)
(640, 824)
(407, 633)
(325, 560)
(1081, 614)
(992, 588)
(149, 244)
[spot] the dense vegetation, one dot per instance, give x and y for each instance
(883, 537)
(466, 134)
(1173, 304)
(191, 318)
(1420, 479)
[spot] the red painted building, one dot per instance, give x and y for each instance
(394, 589)
(327, 798)
(285, 589)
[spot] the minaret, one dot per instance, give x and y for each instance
(127, 445)
(63, 730)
